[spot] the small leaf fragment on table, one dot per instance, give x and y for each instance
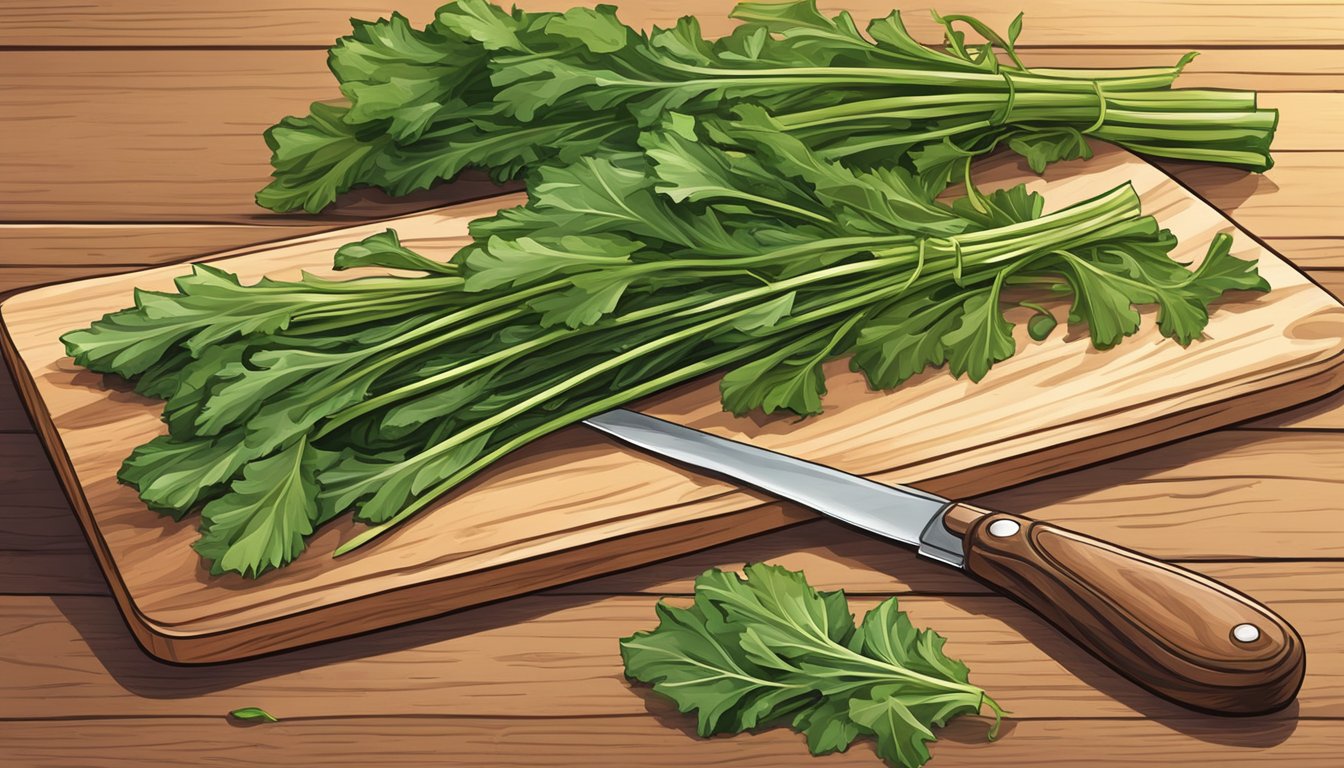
(253, 715)
(766, 647)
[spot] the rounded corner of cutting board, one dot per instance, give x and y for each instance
(184, 644)
(165, 645)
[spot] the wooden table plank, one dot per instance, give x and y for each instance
(1310, 253)
(159, 146)
(534, 656)
(97, 246)
(656, 739)
(13, 417)
(316, 22)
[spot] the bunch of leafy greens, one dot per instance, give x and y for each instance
(484, 87)
(720, 244)
(768, 648)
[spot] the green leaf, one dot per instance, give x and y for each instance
(901, 737)
(827, 726)
(592, 297)
(253, 714)
(264, 519)
(596, 29)
(938, 164)
(790, 379)
(905, 337)
(316, 158)
(689, 169)
(1106, 302)
(484, 22)
(398, 79)
(784, 17)
(380, 488)
(174, 475)
(528, 260)
(764, 316)
(983, 338)
(385, 250)
(1040, 325)
(884, 200)
(1220, 271)
(1002, 207)
(886, 633)
(1043, 146)
(754, 649)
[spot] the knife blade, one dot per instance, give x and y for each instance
(1176, 632)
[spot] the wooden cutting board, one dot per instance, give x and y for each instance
(576, 504)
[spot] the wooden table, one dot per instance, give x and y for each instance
(130, 136)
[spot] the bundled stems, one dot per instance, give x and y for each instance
(483, 87)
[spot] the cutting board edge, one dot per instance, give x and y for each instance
(425, 600)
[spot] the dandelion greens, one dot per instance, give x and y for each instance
(483, 87)
(717, 244)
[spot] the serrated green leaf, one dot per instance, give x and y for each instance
(316, 158)
(1220, 271)
(757, 647)
(592, 297)
(901, 737)
(484, 22)
(264, 519)
(596, 29)
(173, 475)
(982, 339)
(790, 379)
(1002, 207)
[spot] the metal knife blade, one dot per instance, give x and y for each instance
(902, 514)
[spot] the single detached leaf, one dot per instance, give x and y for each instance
(253, 714)
(754, 648)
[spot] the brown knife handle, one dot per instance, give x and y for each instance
(1180, 634)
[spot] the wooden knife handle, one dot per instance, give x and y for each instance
(1175, 632)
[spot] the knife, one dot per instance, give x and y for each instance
(1175, 632)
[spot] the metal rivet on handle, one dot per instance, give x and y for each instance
(1004, 528)
(1245, 633)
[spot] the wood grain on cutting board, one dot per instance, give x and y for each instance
(575, 504)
